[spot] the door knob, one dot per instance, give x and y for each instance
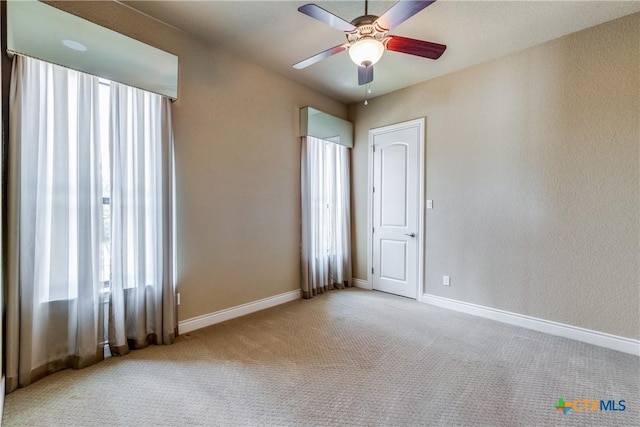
(410, 234)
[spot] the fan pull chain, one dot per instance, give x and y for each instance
(366, 93)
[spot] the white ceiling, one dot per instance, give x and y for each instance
(274, 35)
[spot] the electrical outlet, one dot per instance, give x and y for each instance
(178, 298)
(446, 281)
(429, 204)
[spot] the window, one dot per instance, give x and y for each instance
(326, 219)
(91, 186)
(105, 170)
(69, 290)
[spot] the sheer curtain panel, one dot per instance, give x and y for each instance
(90, 239)
(54, 234)
(142, 307)
(326, 217)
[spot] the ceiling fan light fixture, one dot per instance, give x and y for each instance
(366, 51)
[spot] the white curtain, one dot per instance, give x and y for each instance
(55, 208)
(142, 308)
(59, 312)
(326, 217)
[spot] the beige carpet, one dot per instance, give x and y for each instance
(347, 358)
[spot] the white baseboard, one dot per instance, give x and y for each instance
(359, 283)
(237, 311)
(613, 342)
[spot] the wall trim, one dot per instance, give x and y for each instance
(237, 311)
(601, 339)
(362, 284)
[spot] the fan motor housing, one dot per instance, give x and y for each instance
(364, 20)
(366, 28)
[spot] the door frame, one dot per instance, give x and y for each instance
(420, 124)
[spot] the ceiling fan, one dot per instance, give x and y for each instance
(367, 36)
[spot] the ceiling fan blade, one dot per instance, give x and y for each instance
(325, 16)
(415, 47)
(365, 74)
(320, 56)
(400, 12)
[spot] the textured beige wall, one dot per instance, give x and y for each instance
(532, 161)
(237, 166)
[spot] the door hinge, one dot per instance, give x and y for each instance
(374, 189)
(373, 231)
(371, 270)
(374, 148)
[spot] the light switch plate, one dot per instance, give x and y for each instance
(429, 204)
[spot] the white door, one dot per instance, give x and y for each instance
(396, 232)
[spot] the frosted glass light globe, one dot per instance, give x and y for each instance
(366, 51)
